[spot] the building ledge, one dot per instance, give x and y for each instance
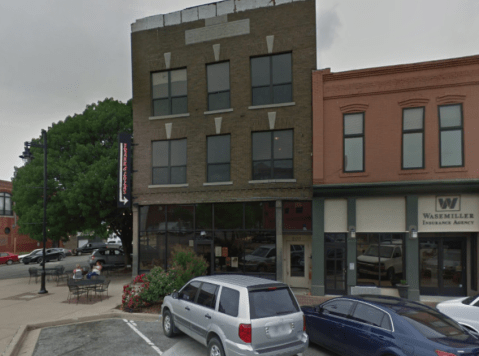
(256, 107)
(167, 117)
(217, 111)
(217, 183)
(168, 185)
(272, 181)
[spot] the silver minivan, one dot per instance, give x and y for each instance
(237, 315)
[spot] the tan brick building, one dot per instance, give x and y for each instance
(396, 178)
(222, 128)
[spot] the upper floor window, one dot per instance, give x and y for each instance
(169, 92)
(169, 162)
(413, 138)
(271, 79)
(354, 142)
(272, 155)
(451, 135)
(218, 158)
(5, 204)
(218, 76)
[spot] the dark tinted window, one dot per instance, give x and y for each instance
(267, 303)
(189, 292)
(338, 307)
(229, 301)
(469, 300)
(432, 324)
(368, 314)
(207, 295)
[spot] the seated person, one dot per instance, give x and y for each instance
(78, 272)
(96, 270)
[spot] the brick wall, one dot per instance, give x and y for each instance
(293, 27)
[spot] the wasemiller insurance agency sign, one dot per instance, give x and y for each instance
(441, 213)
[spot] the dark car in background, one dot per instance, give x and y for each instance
(107, 256)
(89, 248)
(371, 325)
(51, 254)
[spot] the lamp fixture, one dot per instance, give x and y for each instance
(352, 232)
(413, 232)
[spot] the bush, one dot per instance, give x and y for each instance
(150, 288)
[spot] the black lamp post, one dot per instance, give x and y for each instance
(27, 156)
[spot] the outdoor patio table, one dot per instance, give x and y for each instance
(87, 284)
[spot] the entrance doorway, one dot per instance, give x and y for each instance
(298, 263)
(335, 260)
(205, 248)
(442, 266)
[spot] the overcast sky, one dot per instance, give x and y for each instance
(57, 56)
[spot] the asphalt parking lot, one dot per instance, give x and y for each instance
(121, 337)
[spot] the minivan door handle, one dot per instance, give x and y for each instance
(208, 316)
(187, 308)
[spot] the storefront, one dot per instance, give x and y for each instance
(429, 241)
(233, 237)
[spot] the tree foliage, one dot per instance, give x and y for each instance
(82, 165)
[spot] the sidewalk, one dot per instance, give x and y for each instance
(21, 305)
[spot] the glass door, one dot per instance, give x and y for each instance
(298, 263)
(335, 259)
(442, 266)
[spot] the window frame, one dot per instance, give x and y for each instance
(271, 85)
(170, 97)
(345, 137)
(453, 128)
(208, 93)
(169, 161)
(218, 163)
(4, 196)
(272, 160)
(413, 131)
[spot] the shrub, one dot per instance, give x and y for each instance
(159, 283)
(186, 264)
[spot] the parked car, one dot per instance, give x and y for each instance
(263, 259)
(114, 240)
(65, 251)
(237, 315)
(21, 257)
(51, 254)
(382, 325)
(464, 310)
(8, 258)
(387, 258)
(89, 248)
(108, 256)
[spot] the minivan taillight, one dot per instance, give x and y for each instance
(244, 333)
(444, 353)
(304, 322)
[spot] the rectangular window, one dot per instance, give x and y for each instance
(413, 138)
(218, 76)
(218, 164)
(354, 142)
(272, 155)
(271, 79)
(169, 92)
(451, 135)
(169, 162)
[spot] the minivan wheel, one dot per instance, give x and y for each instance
(215, 348)
(168, 324)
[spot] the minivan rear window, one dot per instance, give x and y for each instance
(265, 303)
(229, 301)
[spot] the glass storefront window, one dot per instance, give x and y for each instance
(229, 251)
(177, 239)
(228, 216)
(180, 218)
(204, 216)
(297, 215)
(151, 250)
(260, 215)
(380, 259)
(153, 218)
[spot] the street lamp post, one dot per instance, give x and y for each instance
(27, 156)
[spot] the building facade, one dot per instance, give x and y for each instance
(10, 239)
(396, 178)
(222, 114)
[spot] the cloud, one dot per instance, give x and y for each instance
(328, 25)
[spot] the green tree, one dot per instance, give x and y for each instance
(82, 183)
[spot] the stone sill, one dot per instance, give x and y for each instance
(272, 181)
(217, 111)
(217, 183)
(168, 185)
(167, 117)
(271, 106)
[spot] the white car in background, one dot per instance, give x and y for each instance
(21, 257)
(464, 310)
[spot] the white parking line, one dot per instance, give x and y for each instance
(153, 346)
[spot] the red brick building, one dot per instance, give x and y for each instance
(10, 239)
(396, 178)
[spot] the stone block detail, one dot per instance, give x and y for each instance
(167, 60)
(189, 15)
(225, 7)
(173, 18)
(216, 50)
(269, 43)
(272, 119)
(216, 32)
(207, 11)
(218, 124)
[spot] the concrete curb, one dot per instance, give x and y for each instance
(15, 345)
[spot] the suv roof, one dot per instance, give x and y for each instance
(238, 280)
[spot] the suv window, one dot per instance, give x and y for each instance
(370, 315)
(271, 302)
(229, 301)
(189, 291)
(338, 307)
(207, 295)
